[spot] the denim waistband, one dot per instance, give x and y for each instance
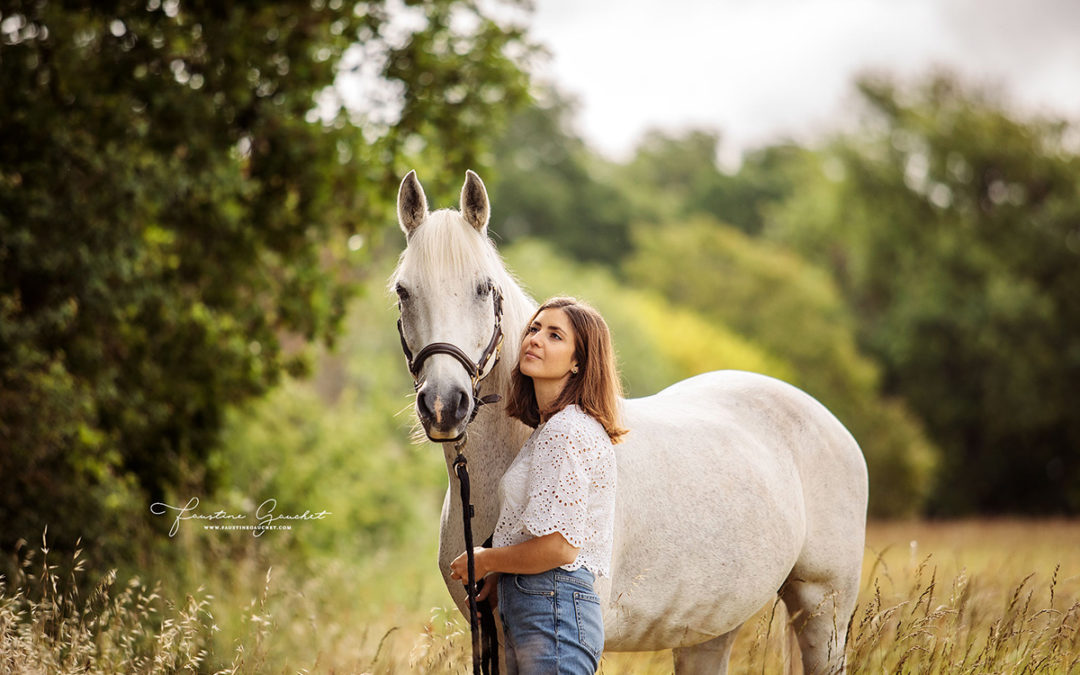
(581, 576)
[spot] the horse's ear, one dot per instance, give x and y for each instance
(411, 204)
(474, 202)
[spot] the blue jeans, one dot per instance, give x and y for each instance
(552, 622)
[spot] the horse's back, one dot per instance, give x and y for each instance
(733, 403)
(735, 417)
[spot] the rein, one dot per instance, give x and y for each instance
(481, 616)
(486, 656)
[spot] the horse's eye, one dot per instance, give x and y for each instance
(483, 288)
(403, 294)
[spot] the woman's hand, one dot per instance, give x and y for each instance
(459, 568)
(490, 591)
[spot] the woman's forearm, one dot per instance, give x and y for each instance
(533, 556)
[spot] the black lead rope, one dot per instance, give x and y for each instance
(490, 637)
(485, 662)
(485, 658)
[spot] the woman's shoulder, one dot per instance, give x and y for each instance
(574, 420)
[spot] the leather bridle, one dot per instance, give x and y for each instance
(475, 370)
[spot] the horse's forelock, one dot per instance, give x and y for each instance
(446, 247)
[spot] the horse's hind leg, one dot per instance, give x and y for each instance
(823, 586)
(707, 658)
(819, 613)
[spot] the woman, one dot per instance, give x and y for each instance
(557, 498)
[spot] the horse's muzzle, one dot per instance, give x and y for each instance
(443, 413)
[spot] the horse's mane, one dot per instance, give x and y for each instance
(444, 248)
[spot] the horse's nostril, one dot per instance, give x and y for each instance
(462, 408)
(422, 405)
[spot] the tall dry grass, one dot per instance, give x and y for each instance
(969, 597)
(962, 597)
(47, 628)
(978, 596)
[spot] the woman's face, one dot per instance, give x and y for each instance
(547, 352)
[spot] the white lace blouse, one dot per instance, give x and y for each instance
(562, 480)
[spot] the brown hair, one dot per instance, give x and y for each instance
(596, 390)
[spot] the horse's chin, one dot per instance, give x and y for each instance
(436, 435)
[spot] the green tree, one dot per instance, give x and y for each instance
(340, 441)
(789, 308)
(951, 225)
(174, 218)
(676, 176)
(672, 176)
(766, 177)
(657, 344)
(546, 183)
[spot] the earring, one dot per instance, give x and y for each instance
(574, 370)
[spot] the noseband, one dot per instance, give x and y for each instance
(475, 370)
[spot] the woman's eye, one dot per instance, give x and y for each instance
(555, 336)
(532, 329)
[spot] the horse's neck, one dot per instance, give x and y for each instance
(493, 442)
(493, 438)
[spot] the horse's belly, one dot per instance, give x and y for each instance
(680, 580)
(710, 521)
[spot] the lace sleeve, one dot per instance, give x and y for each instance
(559, 485)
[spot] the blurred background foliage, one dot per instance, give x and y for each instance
(193, 254)
(180, 221)
(952, 228)
(787, 306)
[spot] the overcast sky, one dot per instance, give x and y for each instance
(758, 70)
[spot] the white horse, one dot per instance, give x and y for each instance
(732, 486)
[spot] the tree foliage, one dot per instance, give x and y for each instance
(952, 226)
(657, 344)
(174, 215)
(547, 184)
(778, 302)
(676, 176)
(339, 442)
